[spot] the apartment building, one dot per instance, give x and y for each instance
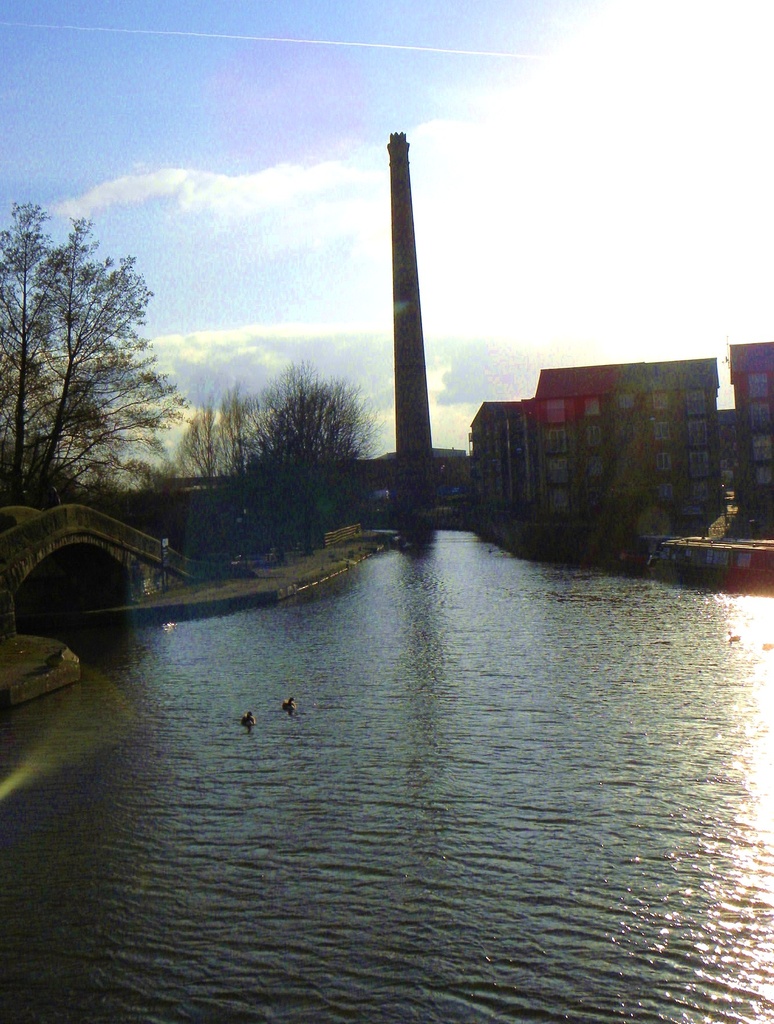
(752, 377)
(503, 440)
(635, 439)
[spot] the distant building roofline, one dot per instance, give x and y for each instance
(579, 381)
(755, 358)
(438, 453)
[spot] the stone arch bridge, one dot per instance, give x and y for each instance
(73, 555)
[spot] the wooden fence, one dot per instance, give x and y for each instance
(345, 533)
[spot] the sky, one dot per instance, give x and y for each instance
(591, 179)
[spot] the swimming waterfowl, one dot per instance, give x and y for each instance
(289, 705)
(248, 719)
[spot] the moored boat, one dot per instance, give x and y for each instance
(733, 566)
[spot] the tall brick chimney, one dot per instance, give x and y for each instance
(414, 446)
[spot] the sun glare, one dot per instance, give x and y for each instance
(65, 738)
(738, 942)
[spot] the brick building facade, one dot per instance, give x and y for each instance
(634, 439)
(752, 377)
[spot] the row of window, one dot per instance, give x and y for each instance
(760, 415)
(760, 419)
(556, 437)
(761, 447)
(559, 497)
(695, 404)
(757, 385)
(698, 463)
(697, 432)
(558, 469)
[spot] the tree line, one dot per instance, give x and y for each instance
(84, 406)
(280, 459)
(301, 419)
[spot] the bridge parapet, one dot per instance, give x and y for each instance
(36, 536)
(39, 536)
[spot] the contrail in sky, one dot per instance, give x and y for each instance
(274, 39)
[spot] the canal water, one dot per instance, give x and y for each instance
(511, 792)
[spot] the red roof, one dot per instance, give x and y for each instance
(587, 381)
(757, 358)
(577, 381)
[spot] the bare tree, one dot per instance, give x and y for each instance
(198, 453)
(307, 420)
(310, 431)
(237, 430)
(24, 332)
(222, 442)
(86, 390)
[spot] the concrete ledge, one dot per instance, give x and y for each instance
(31, 666)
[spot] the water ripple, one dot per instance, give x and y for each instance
(511, 792)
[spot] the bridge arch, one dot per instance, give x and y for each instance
(67, 534)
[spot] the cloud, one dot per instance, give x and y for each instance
(204, 364)
(461, 374)
(130, 190)
(229, 195)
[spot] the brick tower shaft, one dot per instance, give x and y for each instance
(413, 441)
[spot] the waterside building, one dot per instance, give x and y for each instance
(632, 444)
(752, 377)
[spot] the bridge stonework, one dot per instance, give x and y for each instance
(36, 536)
(7, 615)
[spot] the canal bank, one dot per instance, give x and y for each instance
(32, 666)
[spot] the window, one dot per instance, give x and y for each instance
(591, 407)
(626, 401)
(595, 466)
(694, 403)
(660, 400)
(662, 430)
(557, 440)
(763, 474)
(760, 417)
(698, 464)
(697, 432)
(593, 434)
(665, 492)
(625, 433)
(717, 556)
(663, 461)
(757, 385)
(699, 490)
(555, 410)
(559, 500)
(557, 471)
(761, 447)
